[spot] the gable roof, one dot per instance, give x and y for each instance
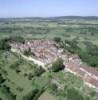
(90, 70)
(93, 82)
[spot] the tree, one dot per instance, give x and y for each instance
(1, 79)
(16, 39)
(34, 94)
(28, 52)
(73, 94)
(57, 39)
(4, 45)
(57, 65)
(53, 87)
(39, 71)
(92, 93)
(31, 95)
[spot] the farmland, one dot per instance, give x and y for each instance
(23, 80)
(83, 32)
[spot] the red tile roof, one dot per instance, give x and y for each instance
(90, 70)
(93, 82)
(72, 66)
(80, 72)
(75, 67)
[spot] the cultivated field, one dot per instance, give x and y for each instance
(23, 80)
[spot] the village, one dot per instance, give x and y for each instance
(45, 52)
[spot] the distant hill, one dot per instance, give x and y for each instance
(50, 18)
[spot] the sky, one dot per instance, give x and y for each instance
(48, 8)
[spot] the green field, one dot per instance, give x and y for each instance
(47, 96)
(21, 80)
(20, 85)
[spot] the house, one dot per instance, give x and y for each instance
(42, 50)
(47, 52)
(88, 74)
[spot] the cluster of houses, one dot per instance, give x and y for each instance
(88, 74)
(47, 51)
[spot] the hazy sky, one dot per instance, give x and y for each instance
(44, 8)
